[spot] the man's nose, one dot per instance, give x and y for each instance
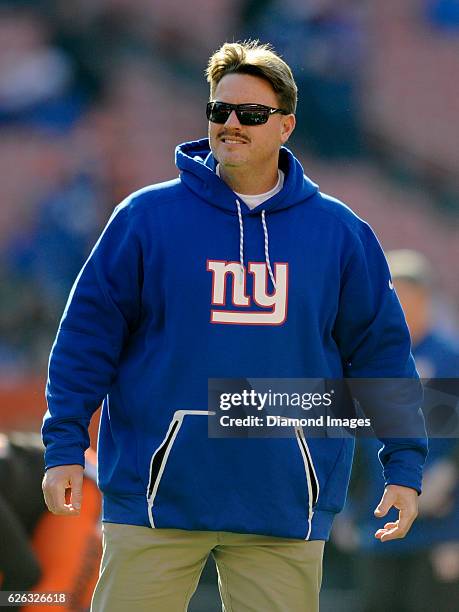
(232, 120)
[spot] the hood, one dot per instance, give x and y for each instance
(197, 170)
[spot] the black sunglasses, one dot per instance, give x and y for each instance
(247, 114)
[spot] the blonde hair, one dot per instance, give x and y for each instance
(257, 59)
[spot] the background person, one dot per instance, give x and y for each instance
(408, 575)
(41, 552)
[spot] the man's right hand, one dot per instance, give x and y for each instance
(59, 481)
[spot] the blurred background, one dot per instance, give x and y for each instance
(96, 94)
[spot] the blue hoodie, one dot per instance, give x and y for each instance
(156, 311)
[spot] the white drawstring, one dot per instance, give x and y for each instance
(241, 239)
(268, 262)
(241, 244)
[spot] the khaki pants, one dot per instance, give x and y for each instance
(158, 570)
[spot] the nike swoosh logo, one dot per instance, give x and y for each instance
(391, 286)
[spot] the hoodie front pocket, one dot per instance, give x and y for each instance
(160, 456)
(260, 485)
(311, 475)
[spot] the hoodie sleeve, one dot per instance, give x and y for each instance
(102, 309)
(374, 342)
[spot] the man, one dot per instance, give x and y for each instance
(422, 571)
(240, 268)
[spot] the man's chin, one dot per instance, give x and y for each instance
(231, 161)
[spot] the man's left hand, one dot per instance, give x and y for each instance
(405, 500)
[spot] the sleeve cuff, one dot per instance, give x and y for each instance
(404, 468)
(63, 455)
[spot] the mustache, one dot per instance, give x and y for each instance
(236, 135)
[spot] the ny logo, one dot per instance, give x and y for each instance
(274, 304)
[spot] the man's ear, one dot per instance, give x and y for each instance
(287, 127)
